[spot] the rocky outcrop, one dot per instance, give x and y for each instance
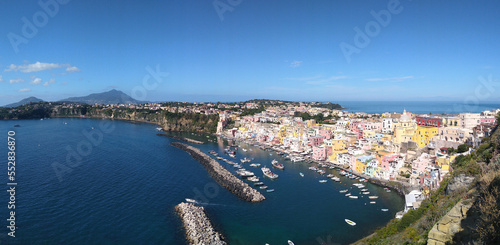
(458, 183)
(443, 231)
(199, 230)
(222, 175)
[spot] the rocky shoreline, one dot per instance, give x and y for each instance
(181, 138)
(221, 175)
(199, 230)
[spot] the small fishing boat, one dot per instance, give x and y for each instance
(385, 209)
(343, 191)
(373, 202)
(365, 192)
(373, 197)
(301, 174)
(335, 179)
(270, 190)
(263, 187)
(258, 183)
(290, 243)
(190, 200)
(348, 221)
(353, 197)
(348, 194)
(277, 165)
(322, 181)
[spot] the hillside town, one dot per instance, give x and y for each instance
(404, 147)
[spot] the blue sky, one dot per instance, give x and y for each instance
(277, 49)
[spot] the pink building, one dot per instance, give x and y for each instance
(326, 133)
(319, 153)
(316, 140)
(386, 160)
(488, 120)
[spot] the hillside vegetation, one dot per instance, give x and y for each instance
(482, 224)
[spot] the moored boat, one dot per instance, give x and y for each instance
(322, 181)
(353, 197)
(270, 190)
(263, 187)
(268, 173)
(301, 174)
(343, 191)
(290, 243)
(373, 197)
(190, 200)
(277, 165)
(385, 209)
(348, 221)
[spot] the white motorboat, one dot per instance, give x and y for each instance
(348, 221)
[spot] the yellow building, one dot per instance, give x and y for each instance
(360, 166)
(424, 135)
(405, 129)
(445, 161)
(368, 134)
(338, 146)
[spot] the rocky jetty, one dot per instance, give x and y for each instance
(181, 138)
(199, 230)
(222, 175)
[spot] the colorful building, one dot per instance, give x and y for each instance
(424, 135)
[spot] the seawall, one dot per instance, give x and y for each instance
(199, 230)
(182, 138)
(221, 175)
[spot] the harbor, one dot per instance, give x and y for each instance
(222, 176)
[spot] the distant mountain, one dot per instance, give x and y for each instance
(111, 97)
(24, 102)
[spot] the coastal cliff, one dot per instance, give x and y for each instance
(169, 121)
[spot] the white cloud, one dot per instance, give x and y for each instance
(39, 66)
(295, 64)
(25, 90)
(36, 81)
(46, 84)
(71, 69)
(17, 80)
(390, 79)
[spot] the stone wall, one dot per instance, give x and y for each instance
(222, 175)
(199, 230)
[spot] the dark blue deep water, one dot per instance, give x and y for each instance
(122, 189)
(419, 107)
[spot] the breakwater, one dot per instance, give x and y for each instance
(221, 175)
(199, 230)
(181, 138)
